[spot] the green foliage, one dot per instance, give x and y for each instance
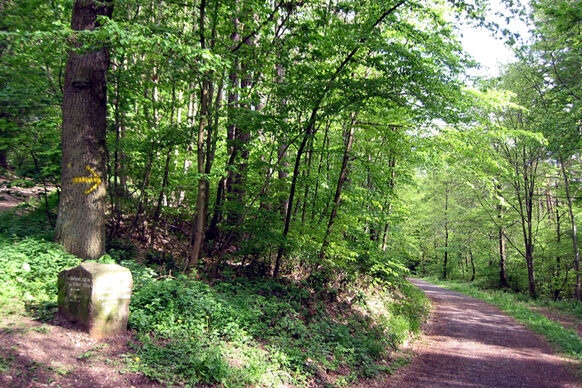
(28, 269)
(21, 222)
(29, 264)
(212, 334)
(571, 306)
(237, 333)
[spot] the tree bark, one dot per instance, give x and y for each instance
(445, 261)
(200, 218)
(81, 214)
(577, 285)
(557, 290)
(157, 212)
(3, 158)
(340, 183)
(392, 165)
(472, 265)
(502, 248)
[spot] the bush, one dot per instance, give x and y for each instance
(271, 326)
(28, 273)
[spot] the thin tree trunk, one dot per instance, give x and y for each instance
(281, 250)
(282, 173)
(309, 157)
(3, 157)
(392, 165)
(310, 130)
(472, 265)
(119, 178)
(200, 219)
(349, 141)
(557, 290)
(502, 248)
(81, 215)
(144, 184)
(233, 148)
(115, 205)
(211, 144)
(445, 261)
(45, 191)
(156, 216)
(502, 258)
(577, 285)
(319, 168)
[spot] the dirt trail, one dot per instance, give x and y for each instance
(470, 343)
(57, 354)
(11, 197)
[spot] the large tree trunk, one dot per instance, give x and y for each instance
(81, 215)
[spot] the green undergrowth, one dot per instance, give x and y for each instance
(235, 333)
(28, 265)
(519, 307)
(264, 332)
(570, 306)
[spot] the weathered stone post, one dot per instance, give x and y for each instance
(96, 296)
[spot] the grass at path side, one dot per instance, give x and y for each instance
(567, 340)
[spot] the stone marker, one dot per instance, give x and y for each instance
(96, 296)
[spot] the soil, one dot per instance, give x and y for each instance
(58, 354)
(470, 343)
(11, 197)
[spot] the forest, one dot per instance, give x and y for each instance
(312, 150)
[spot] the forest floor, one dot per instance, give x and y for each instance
(56, 354)
(470, 343)
(465, 343)
(13, 196)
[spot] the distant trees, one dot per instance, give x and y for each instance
(512, 153)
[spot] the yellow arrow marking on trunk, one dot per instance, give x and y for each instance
(89, 179)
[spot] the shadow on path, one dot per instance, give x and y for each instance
(470, 343)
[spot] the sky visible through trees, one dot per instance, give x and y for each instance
(336, 140)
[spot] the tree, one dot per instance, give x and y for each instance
(81, 214)
(556, 57)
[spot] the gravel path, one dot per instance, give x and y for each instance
(470, 343)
